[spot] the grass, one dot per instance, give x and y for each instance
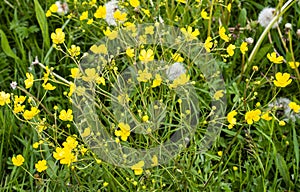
(263, 156)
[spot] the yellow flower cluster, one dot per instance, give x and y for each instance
(4, 98)
(181, 80)
(65, 154)
(124, 131)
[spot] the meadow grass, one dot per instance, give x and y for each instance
(248, 151)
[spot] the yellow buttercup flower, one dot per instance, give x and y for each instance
(154, 161)
(4, 98)
(230, 49)
(53, 8)
(266, 116)
(274, 59)
(231, 118)
(18, 160)
(124, 131)
(282, 123)
(189, 33)
(282, 80)
(101, 49)
(293, 64)
(177, 57)
(218, 94)
(48, 86)
(157, 81)
(130, 52)
(58, 37)
(204, 14)
(294, 107)
(181, 80)
(84, 15)
(41, 165)
(138, 168)
(74, 50)
(29, 81)
(100, 12)
(66, 115)
(75, 73)
(90, 75)
(252, 116)
(119, 16)
(134, 3)
(223, 35)
(30, 114)
(244, 47)
(144, 76)
(208, 44)
(146, 56)
(110, 34)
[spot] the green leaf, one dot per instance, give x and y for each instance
(243, 17)
(296, 146)
(5, 46)
(262, 53)
(283, 170)
(41, 17)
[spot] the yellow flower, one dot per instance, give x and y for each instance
(134, 3)
(145, 118)
(86, 132)
(235, 168)
(144, 76)
(230, 49)
(18, 108)
(149, 30)
(266, 116)
(147, 12)
(177, 57)
(29, 81)
(53, 8)
(253, 115)
(231, 119)
(181, 1)
(75, 73)
(70, 143)
(189, 33)
(90, 75)
(30, 114)
(154, 161)
(119, 16)
(229, 7)
(105, 184)
(35, 145)
(274, 59)
(220, 153)
(4, 98)
(48, 86)
(281, 123)
(244, 47)
(66, 115)
(130, 52)
(18, 160)
(223, 35)
(181, 80)
(218, 94)
(100, 12)
(208, 44)
(146, 56)
(74, 50)
(157, 81)
(110, 34)
(294, 65)
(72, 89)
(204, 14)
(41, 165)
(294, 107)
(282, 80)
(124, 131)
(48, 13)
(84, 15)
(58, 37)
(101, 49)
(64, 155)
(138, 168)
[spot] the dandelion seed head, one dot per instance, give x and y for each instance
(111, 7)
(266, 15)
(175, 70)
(63, 8)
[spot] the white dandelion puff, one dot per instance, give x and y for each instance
(63, 8)
(266, 16)
(111, 7)
(175, 70)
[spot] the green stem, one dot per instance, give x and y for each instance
(284, 8)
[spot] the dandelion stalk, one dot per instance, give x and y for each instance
(284, 8)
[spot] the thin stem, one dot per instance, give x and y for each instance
(210, 17)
